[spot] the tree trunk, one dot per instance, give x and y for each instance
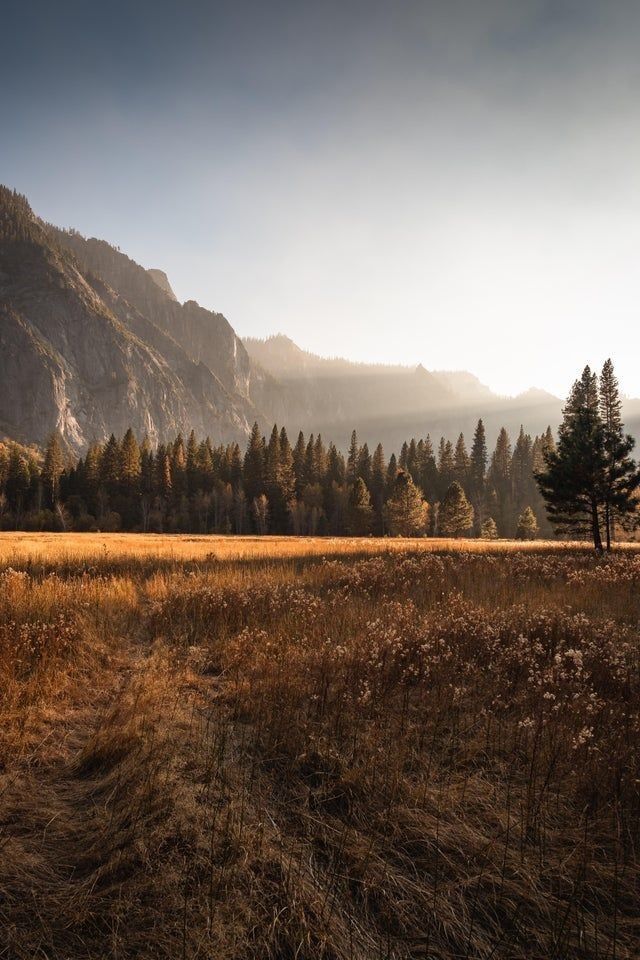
(595, 526)
(607, 516)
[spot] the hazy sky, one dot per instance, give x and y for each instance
(452, 183)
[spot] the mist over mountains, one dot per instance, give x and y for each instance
(91, 342)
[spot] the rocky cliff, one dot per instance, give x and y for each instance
(90, 345)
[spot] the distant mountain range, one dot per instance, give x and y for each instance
(390, 403)
(91, 342)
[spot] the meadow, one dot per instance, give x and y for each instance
(290, 748)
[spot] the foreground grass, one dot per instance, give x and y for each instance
(348, 753)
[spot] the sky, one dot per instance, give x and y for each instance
(452, 183)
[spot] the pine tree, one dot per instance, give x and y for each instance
(235, 466)
(165, 479)
(179, 469)
(413, 461)
(192, 464)
(392, 473)
(407, 514)
(278, 481)
(574, 479)
(522, 481)
(461, 463)
(110, 463)
(311, 474)
(489, 530)
(319, 459)
(364, 466)
(527, 525)
(352, 459)
(378, 471)
(299, 464)
(205, 466)
(130, 461)
(360, 517)
(254, 465)
(456, 513)
(477, 473)
(499, 481)
(429, 471)
(18, 483)
(621, 476)
(286, 472)
(53, 468)
(446, 467)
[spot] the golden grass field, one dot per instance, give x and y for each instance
(276, 748)
(49, 546)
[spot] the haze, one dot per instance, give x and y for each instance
(449, 183)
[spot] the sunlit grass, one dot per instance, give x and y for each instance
(335, 749)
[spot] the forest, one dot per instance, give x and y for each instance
(193, 485)
(583, 484)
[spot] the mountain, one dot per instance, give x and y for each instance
(90, 343)
(390, 403)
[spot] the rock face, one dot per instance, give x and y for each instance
(160, 277)
(90, 343)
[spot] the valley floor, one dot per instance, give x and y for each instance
(54, 547)
(280, 748)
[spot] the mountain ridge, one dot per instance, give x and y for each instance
(91, 342)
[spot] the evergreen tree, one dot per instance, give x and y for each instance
(477, 474)
(574, 478)
(192, 464)
(378, 472)
(278, 481)
(364, 465)
(456, 513)
(130, 462)
(319, 459)
(392, 473)
(621, 477)
(299, 464)
(360, 518)
(446, 467)
(165, 480)
(179, 469)
(53, 468)
(522, 481)
(489, 530)
(311, 474)
(499, 482)
(527, 525)
(461, 463)
(352, 459)
(235, 465)
(18, 483)
(429, 471)
(254, 465)
(286, 474)
(407, 514)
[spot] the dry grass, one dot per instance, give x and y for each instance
(16, 548)
(317, 749)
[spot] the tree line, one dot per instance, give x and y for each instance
(584, 485)
(192, 485)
